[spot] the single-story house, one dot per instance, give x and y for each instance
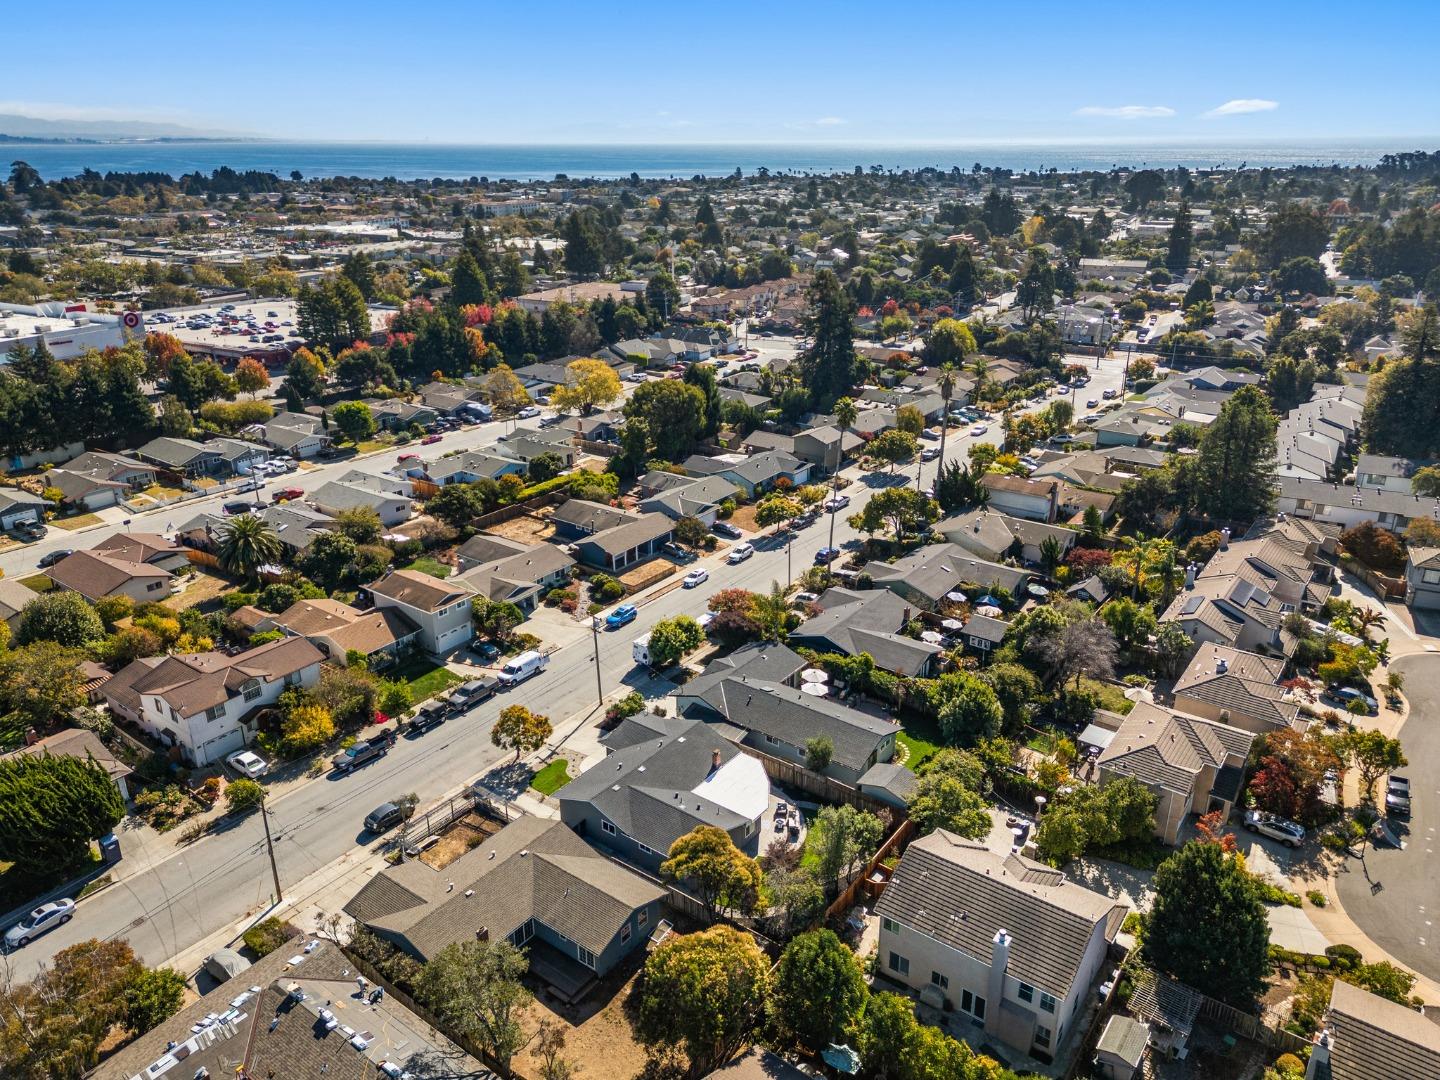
(928, 575)
(18, 506)
(95, 575)
(698, 499)
(516, 573)
(751, 473)
(96, 480)
(298, 434)
(80, 743)
(184, 456)
(381, 635)
(14, 598)
(872, 623)
(637, 538)
(335, 496)
(1368, 1037)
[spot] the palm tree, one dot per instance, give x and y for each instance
(946, 386)
(980, 371)
(845, 413)
(1365, 618)
(247, 543)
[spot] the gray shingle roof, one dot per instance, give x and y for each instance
(531, 869)
(961, 894)
(1376, 1039)
(793, 717)
(1170, 749)
(866, 622)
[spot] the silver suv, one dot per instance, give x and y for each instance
(1276, 828)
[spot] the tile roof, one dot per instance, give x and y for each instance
(961, 894)
(1169, 749)
(532, 868)
(1375, 1039)
(350, 628)
(417, 590)
(190, 683)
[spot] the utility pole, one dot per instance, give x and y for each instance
(789, 570)
(595, 636)
(270, 850)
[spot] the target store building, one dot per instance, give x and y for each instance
(66, 329)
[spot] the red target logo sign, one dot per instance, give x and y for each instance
(131, 320)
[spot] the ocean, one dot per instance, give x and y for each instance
(426, 161)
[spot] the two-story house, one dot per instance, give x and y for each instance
(1007, 944)
(206, 703)
(438, 607)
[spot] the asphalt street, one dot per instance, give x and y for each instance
(214, 882)
(1392, 893)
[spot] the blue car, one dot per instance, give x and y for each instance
(826, 555)
(623, 614)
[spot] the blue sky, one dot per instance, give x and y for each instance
(648, 71)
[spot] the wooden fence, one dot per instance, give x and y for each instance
(795, 775)
(864, 883)
(1252, 1027)
(1388, 588)
(205, 558)
(519, 509)
(422, 488)
(599, 449)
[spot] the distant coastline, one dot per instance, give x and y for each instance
(178, 155)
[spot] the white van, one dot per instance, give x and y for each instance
(522, 667)
(640, 650)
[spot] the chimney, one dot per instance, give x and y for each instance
(1224, 538)
(1054, 505)
(483, 934)
(995, 983)
(1190, 576)
(1319, 1055)
(714, 760)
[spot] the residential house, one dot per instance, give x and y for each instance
(393, 414)
(1346, 506)
(1232, 686)
(753, 474)
(820, 447)
(299, 435)
(868, 623)
(514, 573)
(293, 1013)
(18, 506)
(534, 883)
(778, 719)
(757, 1063)
(1092, 591)
(579, 293)
(1422, 578)
(930, 574)
(575, 519)
(1387, 473)
(464, 468)
(238, 457)
(1192, 765)
(82, 744)
(1021, 497)
(698, 499)
(660, 779)
(1009, 943)
(1367, 1037)
(183, 456)
(993, 535)
(435, 605)
(889, 783)
(381, 635)
(96, 480)
(14, 598)
(296, 525)
(206, 704)
(634, 539)
(336, 496)
(983, 634)
(95, 575)
(140, 547)
(527, 446)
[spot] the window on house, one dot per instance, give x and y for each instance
(889, 925)
(625, 933)
(973, 1004)
(1026, 992)
(585, 956)
(215, 713)
(607, 828)
(1047, 1002)
(648, 850)
(643, 917)
(251, 690)
(899, 964)
(1431, 577)
(942, 981)
(1042, 1036)
(155, 586)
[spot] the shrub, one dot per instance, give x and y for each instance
(308, 727)
(265, 937)
(1344, 957)
(605, 588)
(244, 795)
(1316, 898)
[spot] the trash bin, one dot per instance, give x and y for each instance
(110, 848)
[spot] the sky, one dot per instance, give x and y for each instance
(661, 71)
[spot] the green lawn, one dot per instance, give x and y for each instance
(38, 583)
(434, 567)
(922, 739)
(551, 778)
(426, 679)
(1111, 697)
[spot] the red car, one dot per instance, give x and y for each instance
(429, 439)
(287, 494)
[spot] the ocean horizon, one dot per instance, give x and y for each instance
(680, 161)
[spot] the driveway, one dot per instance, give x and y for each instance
(1390, 893)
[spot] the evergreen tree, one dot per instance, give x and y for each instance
(702, 377)
(51, 808)
(467, 282)
(584, 256)
(1234, 472)
(1182, 238)
(830, 366)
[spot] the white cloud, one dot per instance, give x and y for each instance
(49, 110)
(1241, 107)
(829, 121)
(1126, 112)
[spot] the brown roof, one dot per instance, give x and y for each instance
(94, 575)
(137, 547)
(1242, 682)
(1020, 485)
(417, 590)
(192, 683)
(1169, 749)
(79, 743)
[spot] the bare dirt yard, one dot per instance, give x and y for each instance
(526, 529)
(469, 832)
(598, 1036)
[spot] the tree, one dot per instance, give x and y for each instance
(520, 730)
(459, 504)
(591, 384)
(1302, 275)
(544, 467)
(902, 509)
(819, 989)
(830, 366)
(475, 987)
(1091, 817)
(251, 376)
(61, 616)
(51, 808)
(893, 447)
(704, 991)
(1402, 403)
(843, 839)
(243, 795)
(702, 377)
(1182, 236)
(959, 488)
(39, 684)
(707, 861)
(468, 283)
(246, 543)
(584, 254)
(949, 342)
(673, 413)
(152, 996)
(1208, 926)
(1035, 291)
(662, 295)
(671, 639)
(306, 728)
(303, 375)
(775, 509)
(1235, 469)
(819, 751)
(943, 799)
(1015, 687)
(361, 524)
(1294, 231)
(1371, 754)
(1051, 553)
(359, 268)
(970, 711)
(909, 419)
(504, 388)
(354, 420)
(1078, 646)
(496, 619)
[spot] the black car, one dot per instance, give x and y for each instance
(725, 529)
(47, 561)
(363, 752)
(431, 714)
(386, 816)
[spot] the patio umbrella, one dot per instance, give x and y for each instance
(989, 612)
(988, 601)
(930, 637)
(1037, 590)
(815, 689)
(956, 597)
(814, 675)
(952, 624)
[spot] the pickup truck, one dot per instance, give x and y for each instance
(366, 750)
(471, 693)
(431, 714)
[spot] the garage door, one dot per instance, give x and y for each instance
(12, 518)
(455, 636)
(214, 750)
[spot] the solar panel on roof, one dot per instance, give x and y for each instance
(1192, 605)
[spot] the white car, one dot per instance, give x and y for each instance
(979, 429)
(739, 553)
(695, 577)
(42, 920)
(930, 453)
(248, 765)
(1277, 828)
(527, 412)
